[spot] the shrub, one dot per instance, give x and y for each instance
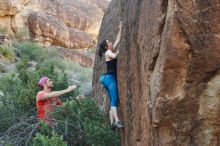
(3, 30)
(82, 76)
(7, 52)
(37, 53)
(54, 140)
(2, 68)
(82, 123)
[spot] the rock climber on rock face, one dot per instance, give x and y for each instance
(47, 99)
(109, 79)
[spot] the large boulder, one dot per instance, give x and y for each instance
(77, 14)
(74, 15)
(9, 7)
(168, 71)
(50, 31)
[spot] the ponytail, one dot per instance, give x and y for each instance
(102, 48)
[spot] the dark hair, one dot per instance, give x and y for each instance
(102, 48)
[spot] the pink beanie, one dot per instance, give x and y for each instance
(42, 81)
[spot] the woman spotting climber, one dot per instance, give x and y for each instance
(109, 79)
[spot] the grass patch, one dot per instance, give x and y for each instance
(7, 52)
(36, 52)
(79, 75)
(3, 30)
(2, 68)
(82, 73)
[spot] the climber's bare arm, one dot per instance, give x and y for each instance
(118, 37)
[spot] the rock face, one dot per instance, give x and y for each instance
(9, 7)
(168, 71)
(49, 30)
(77, 14)
(78, 20)
(76, 56)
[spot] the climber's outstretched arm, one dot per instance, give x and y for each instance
(118, 36)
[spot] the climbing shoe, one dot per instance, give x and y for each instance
(113, 126)
(119, 125)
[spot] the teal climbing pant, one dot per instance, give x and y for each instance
(110, 84)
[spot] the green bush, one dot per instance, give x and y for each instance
(81, 74)
(82, 123)
(3, 30)
(31, 50)
(2, 68)
(42, 140)
(37, 53)
(7, 52)
(2, 142)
